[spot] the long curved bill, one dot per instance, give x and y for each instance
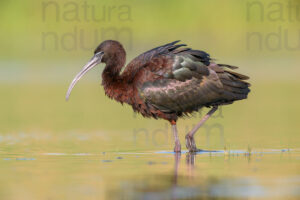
(96, 59)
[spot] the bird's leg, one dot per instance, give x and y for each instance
(177, 147)
(189, 138)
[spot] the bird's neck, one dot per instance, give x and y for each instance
(115, 85)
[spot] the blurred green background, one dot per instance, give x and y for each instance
(94, 148)
(45, 43)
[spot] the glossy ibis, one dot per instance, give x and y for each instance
(167, 82)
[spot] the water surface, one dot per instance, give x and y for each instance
(235, 174)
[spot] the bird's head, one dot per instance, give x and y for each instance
(109, 52)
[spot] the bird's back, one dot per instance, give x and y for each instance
(178, 80)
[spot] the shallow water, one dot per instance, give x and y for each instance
(238, 174)
(93, 148)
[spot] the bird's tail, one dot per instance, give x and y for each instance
(234, 84)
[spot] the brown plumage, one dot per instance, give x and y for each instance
(167, 82)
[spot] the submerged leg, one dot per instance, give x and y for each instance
(189, 138)
(177, 147)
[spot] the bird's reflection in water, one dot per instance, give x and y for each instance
(190, 162)
(177, 157)
(180, 183)
(177, 192)
(187, 180)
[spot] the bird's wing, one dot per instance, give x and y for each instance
(172, 48)
(193, 82)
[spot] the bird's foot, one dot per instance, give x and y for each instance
(177, 147)
(190, 144)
